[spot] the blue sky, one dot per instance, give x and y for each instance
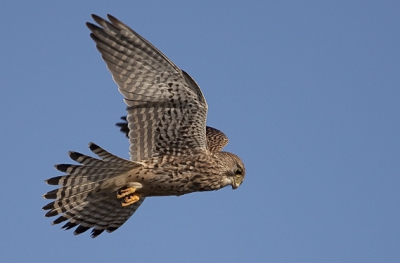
(308, 93)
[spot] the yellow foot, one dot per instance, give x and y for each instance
(127, 196)
(129, 200)
(125, 192)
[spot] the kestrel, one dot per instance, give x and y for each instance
(172, 151)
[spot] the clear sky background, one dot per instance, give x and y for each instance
(308, 93)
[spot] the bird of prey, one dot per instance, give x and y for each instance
(172, 151)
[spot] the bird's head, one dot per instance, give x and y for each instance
(234, 171)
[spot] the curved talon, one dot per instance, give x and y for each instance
(125, 192)
(129, 200)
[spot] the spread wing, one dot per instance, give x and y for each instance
(166, 108)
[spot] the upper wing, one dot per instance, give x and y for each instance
(166, 108)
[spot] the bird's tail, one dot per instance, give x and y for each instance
(80, 199)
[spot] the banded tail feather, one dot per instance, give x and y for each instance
(81, 200)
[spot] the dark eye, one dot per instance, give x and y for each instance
(238, 171)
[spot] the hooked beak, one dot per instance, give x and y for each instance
(235, 184)
(236, 181)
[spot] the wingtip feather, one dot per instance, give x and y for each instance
(93, 146)
(53, 180)
(62, 167)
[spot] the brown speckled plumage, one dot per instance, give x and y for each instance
(172, 151)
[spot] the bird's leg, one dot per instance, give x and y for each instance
(127, 196)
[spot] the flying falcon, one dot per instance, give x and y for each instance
(172, 151)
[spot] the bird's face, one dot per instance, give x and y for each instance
(234, 172)
(238, 177)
